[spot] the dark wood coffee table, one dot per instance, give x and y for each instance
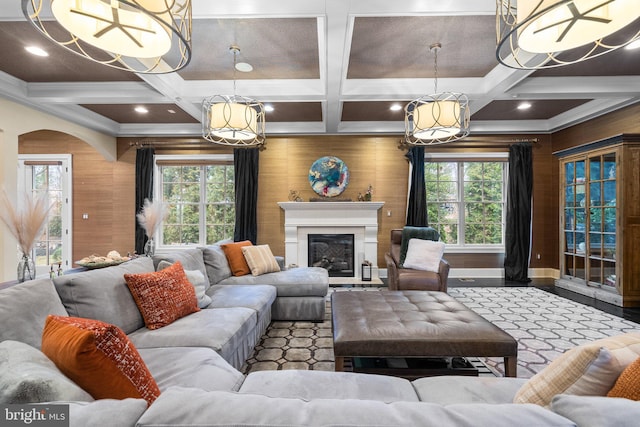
(414, 324)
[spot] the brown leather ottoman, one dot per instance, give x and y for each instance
(390, 324)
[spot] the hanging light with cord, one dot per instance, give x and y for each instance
(437, 118)
(233, 120)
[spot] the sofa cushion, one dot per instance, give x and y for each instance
(191, 259)
(260, 259)
(256, 297)
(24, 308)
(182, 406)
(597, 411)
(216, 262)
(197, 367)
(628, 383)
(589, 369)
(197, 280)
(310, 385)
(28, 376)
(103, 294)
(295, 282)
(106, 412)
(98, 357)
(235, 257)
(424, 255)
(163, 296)
(447, 390)
(221, 329)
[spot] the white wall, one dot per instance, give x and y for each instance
(16, 120)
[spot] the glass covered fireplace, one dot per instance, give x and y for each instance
(333, 252)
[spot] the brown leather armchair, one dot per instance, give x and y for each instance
(409, 279)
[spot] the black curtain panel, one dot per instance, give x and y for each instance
(144, 189)
(519, 202)
(245, 162)
(417, 203)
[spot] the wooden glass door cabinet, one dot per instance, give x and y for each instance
(600, 220)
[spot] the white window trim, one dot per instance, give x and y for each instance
(461, 157)
(67, 194)
(157, 190)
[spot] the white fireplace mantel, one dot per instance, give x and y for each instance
(357, 218)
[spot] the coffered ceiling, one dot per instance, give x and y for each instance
(326, 67)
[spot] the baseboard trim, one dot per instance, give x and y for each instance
(494, 273)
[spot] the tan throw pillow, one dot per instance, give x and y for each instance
(237, 262)
(628, 383)
(587, 370)
(260, 259)
(424, 255)
(163, 296)
(625, 348)
(98, 357)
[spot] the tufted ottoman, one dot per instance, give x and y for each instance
(392, 324)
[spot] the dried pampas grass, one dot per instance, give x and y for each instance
(151, 216)
(27, 221)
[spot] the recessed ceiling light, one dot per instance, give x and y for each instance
(633, 45)
(35, 50)
(244, 67)
(268, 108)
(524, 106)
(140, 109)
(171, 111)
(395, 107)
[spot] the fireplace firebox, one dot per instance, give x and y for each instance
(334, 252)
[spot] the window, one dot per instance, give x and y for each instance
(466, 200)
(201, 199)
(49, 175)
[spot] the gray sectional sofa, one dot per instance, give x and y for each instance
(195, 362)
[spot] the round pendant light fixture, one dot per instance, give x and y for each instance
(142, 36)
(537, 34)
(437, 118)
(233, 120)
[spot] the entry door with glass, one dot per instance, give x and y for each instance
(50, 175)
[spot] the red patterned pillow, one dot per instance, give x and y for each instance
(98, 357)
(163, 296)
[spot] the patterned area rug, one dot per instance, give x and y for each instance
(544, 324)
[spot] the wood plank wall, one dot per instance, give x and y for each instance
(374, 161)
(106, 190)
(102, 189)
(626, 120)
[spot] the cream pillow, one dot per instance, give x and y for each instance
(197, 279)
(260, 259)
(587, 370)
(424, 255)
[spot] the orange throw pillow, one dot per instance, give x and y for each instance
(163, 296)
(628, 383)
(98, 357)
(235, 257)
